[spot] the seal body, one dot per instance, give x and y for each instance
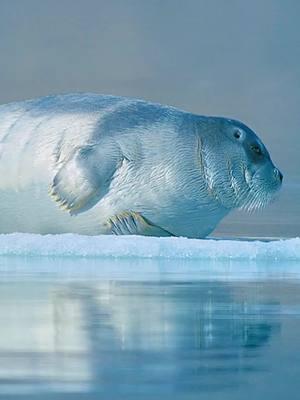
(95, 164)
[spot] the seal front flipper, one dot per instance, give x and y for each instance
(133, 223)
(84, 178)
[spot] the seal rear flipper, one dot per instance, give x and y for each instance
(84, 178)
(133, 223)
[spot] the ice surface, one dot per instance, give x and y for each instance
(71, 245)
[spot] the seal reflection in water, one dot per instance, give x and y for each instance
(96, 164)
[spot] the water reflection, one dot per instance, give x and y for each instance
(141, 339)
(171, 337)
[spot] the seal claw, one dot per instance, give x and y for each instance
(133, 223)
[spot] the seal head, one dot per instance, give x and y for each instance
(238, 165)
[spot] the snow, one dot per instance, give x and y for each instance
(71, 245)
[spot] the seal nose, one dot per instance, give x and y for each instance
(278, 174)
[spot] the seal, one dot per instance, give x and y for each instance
(96, 164)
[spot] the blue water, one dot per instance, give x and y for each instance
(210, 320)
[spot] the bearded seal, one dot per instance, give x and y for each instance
(95, 164)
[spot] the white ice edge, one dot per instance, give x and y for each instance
(72, 245)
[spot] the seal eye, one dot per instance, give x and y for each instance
(256, 149)
(237, 134)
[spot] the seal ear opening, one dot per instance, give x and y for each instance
(83, 179)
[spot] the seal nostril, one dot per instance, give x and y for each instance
(280, 176)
